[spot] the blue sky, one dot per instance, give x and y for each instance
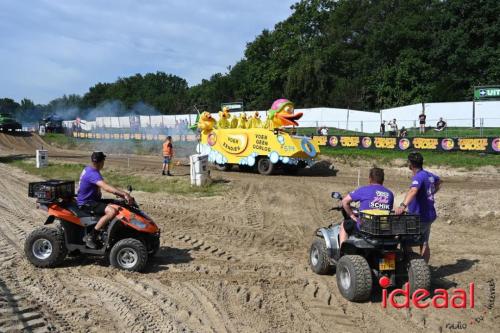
(55, 47)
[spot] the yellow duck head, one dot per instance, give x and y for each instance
(225, 112)
(206, 123)
(223, 119)
(282, 114)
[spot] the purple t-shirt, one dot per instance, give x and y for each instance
(89, 191)
(373, 196)
(423, 204)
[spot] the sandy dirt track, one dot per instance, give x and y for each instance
(238, 262)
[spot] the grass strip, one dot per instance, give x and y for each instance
(152, 184)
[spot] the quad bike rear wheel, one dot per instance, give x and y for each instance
(318, 257)
(45, 247)
(419, 274)
(354, 278)
(129, 254)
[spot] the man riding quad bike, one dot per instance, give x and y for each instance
(380, 249)
(115, 228)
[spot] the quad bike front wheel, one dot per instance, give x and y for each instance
(354, 278)
(129, 254)
(318, 257)
(419, 274)
(45, 247)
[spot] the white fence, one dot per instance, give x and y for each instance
(456, 114)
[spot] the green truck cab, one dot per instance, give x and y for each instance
(8, 123)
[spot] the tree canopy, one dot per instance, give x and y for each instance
(363, 54)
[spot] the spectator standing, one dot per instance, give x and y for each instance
(421, 119)
(168, 153)
(382, 128)
(394, 127)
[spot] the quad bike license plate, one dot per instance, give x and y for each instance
(388, 262)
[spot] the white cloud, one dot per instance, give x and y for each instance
(50, 47)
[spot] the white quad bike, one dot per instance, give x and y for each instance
(381, 248)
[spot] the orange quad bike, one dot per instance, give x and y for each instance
(129, 239)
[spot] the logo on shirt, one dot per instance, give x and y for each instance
(381, 201)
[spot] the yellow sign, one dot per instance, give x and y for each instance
(387, 143)
(233, 143)
(320, 140)
(425, 143)
(349, 141)
(473, 144)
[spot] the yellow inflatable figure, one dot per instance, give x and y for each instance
(206, 123)
(255, 121)
(282, 114)
(224, 118)
(243, 121)
(234, 122)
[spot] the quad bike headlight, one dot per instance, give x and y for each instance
(138, 223)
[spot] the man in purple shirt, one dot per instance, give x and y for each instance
(372, 196)
(89, 195)
(420, 199)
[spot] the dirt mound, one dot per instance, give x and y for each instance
(21, 142)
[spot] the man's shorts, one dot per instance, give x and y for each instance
(426, 231)
(97, 207)
(166, 159)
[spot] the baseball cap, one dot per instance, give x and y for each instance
(97, 156)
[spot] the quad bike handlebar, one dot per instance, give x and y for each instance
(123, 202)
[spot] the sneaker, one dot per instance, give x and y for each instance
(169, 174)
(163, 173)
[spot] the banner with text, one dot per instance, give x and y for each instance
(487, 145)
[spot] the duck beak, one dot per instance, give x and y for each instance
(290, 119)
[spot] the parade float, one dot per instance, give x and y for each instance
(251, 143)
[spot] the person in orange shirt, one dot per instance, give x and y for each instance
(168, 153)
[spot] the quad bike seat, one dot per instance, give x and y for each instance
(79, 212)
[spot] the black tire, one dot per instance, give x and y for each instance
(129, 254)
(223, 167)
(419, 274)
(265, 166)
(354, 278)
(319, 260)
(44, 247)
(155, 247)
